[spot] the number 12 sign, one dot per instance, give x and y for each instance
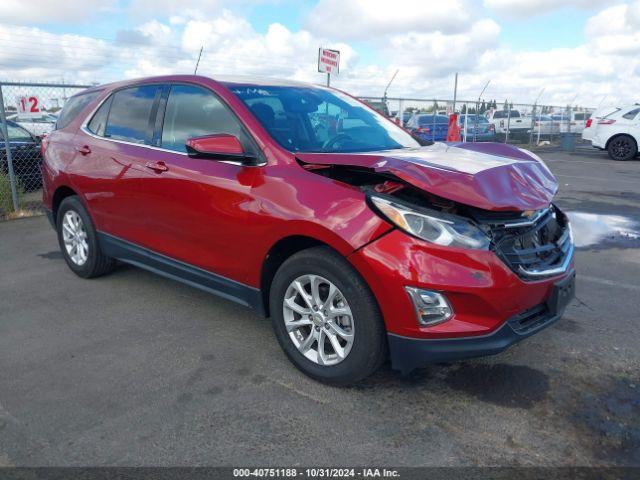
(29, 105)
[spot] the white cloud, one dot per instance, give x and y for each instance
(525, 8)
(366, 19)
(439, 54)
(608, 63)
(615, 30)
(46, 11)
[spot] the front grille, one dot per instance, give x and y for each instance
(537, 246)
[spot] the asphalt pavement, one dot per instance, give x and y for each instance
(135, 369)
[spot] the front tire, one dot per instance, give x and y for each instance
(78, 240)
(622, 148)
(325, 318)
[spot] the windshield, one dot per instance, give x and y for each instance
(308, 119)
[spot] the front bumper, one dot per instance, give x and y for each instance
(487, 297)
(409, 353)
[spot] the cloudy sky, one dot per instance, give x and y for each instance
(580, 51)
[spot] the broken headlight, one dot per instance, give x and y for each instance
(435, 227)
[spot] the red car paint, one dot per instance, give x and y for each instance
(226, 218)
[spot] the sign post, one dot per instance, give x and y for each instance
(328, 62)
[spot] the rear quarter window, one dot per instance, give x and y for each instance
(73, 107)
(631, 114)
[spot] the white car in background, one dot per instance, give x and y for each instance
(591, 125)
(619, 133)
(573, 122)
(38, 124)
(517, 124)
(545, 125)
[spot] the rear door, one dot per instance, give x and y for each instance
(113, 150)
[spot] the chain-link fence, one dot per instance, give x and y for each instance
(487, 120)
(28, 111)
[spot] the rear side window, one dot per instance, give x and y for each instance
(73, 107)
(632, 114)
(193, 112)
(130, 113)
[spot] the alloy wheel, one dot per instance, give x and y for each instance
(74, 236)
(621, 148)
(318, 320)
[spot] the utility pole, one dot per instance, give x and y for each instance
(533, 118)
(384, 97)
(455, 92)
(198, 62)
(475, 117)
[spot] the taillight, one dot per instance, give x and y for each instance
(606, 121)
(588, 124)
(423, 130)
(44, 143)
(492, 127)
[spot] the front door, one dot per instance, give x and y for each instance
(197, 208)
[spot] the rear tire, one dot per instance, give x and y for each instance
(622, 148)
(367, 348)
(78, 240)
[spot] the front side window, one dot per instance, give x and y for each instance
(311, 119)
(193, 112)
(130, 113)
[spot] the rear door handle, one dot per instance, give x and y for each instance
(83, 150)
(157, 166)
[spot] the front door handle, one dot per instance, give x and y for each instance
(83, 150)
(158, 167)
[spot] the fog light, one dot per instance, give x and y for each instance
(431, 307)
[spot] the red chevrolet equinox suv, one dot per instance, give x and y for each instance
(306, 205)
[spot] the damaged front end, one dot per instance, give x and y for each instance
(534, 244)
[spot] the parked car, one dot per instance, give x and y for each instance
(38, 125)
(478, 128)
(591, 123)
(406, 116)
(517, 124)
(619, 133)
(571, 122)
(545, 125)
(25, 155)
(429, 127)
(356, 245)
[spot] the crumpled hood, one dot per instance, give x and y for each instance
(490, 176)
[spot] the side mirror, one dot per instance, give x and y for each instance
(219, 146)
